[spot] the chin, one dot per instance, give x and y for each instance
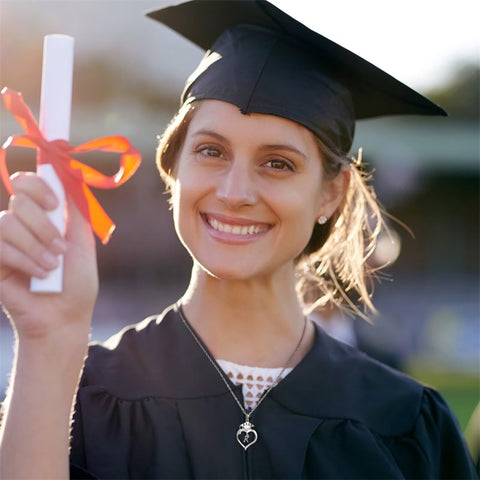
(227, 273)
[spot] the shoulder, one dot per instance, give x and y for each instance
(132, 359)
(132, 340)
(337, 381)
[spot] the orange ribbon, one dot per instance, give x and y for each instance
(75, 176)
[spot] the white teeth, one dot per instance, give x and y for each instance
(235, 229)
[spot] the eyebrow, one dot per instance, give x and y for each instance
(284, 146)
(211, 133)
(273, 146)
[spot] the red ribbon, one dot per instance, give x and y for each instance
(75, 176)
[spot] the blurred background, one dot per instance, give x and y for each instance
(129, 73)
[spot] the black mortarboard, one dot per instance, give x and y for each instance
(264, 61)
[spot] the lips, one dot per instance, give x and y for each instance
(241, 227)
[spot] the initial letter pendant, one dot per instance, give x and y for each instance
(246, 435)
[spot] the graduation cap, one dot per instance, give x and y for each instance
(264, 61)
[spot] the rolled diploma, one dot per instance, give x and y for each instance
(55, 108)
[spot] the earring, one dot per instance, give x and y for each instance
(322, 220)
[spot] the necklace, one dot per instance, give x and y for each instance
(246, 434)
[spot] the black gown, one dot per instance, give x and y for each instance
(151, 405)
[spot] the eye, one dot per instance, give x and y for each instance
(209, 151)
(280, 164)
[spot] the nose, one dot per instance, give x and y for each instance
(236, 187)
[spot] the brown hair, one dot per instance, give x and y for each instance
(333, 268)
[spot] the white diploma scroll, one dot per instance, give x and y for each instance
(55, 108)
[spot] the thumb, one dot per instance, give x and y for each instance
(81, 273)
(78, 229)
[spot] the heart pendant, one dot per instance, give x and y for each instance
(246, 435)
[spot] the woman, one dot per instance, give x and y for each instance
(233, 381)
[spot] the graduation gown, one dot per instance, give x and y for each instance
(150, 405)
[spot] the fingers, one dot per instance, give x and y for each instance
(34, 218)
(33, 186)
(14, 259)
(22, 250)
(29, 242)
(32, 196)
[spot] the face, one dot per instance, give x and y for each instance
(248, 190)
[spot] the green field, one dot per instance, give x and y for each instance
(461, 390)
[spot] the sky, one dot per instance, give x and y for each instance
(419, 41)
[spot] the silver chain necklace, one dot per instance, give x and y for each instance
(246, 434)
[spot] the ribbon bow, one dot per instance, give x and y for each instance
(75, 176)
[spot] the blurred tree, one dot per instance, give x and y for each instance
(461, 96)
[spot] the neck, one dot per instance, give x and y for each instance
(256, 322)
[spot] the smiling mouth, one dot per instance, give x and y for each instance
(235, 229)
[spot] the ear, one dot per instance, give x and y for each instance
(334, 191)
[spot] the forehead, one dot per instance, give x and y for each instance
(227, 120)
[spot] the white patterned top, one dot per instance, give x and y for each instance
(254, 380)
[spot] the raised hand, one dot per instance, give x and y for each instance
(29, 246)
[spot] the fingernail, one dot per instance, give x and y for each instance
(51, 202)
(58, 246)
(39, 273)
(49, 260)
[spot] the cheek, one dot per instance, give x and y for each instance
(304, 209)
(182, 214)
(182, 198)
(297, 216)
(301, 202)
(187, 193)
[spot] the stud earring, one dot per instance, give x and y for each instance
(322, 220)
